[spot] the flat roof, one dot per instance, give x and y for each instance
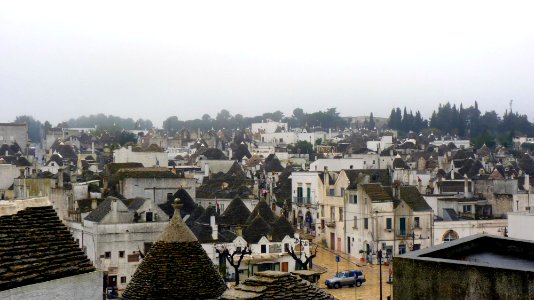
(481, 250)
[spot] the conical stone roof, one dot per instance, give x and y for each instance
(275, 285)
(236, 213)
(256, 229)
(177, 267)
(281, 228)
(262, 209)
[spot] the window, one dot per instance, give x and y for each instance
(222, 207)
(121, 254)
(353, 199)
(286, 247)
(467, 209)
(332, 192)
(450, 235)
(107, 255)
(340, 214)
(388, 223)
(147, 247)
(263, 248)
(342, 192)
(133, 257)
(402, 249)
(123, 279)
(238, 250)
(332, 214)
(365, 223)
(416, 223)
(355, 223)
(322, 210)
(149, 216)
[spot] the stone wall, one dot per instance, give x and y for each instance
(432, 279)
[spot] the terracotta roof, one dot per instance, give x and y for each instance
(36, 247)
(376, 192)
(275, 285)
(262, 209)
(176, 267)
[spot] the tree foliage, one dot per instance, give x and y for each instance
(35, 128)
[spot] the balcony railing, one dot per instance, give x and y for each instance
(303, 201)
(331, 224)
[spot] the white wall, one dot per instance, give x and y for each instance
(468, 227)
(520, 225)
(86, 286)
(148, 159)
(268, 127)
(8, 173)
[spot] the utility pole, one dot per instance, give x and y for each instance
(380, 267)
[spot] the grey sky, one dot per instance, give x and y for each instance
(155, 59)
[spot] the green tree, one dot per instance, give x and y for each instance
(35, 128)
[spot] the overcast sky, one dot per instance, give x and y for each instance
(155, 59)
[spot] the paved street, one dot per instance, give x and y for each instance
(369, 290)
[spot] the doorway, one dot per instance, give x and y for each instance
(332, 241)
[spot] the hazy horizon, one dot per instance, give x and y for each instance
(62, 60)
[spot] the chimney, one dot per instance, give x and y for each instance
(466, 187)
(93, 147)
(94, 204)
(130, 148)
(7, 153)
(22, 173)
(60, 178)
(114, 205)
(214, 229)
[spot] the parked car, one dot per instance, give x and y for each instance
(350, 278)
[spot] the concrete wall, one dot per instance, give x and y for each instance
(148, 159)
(96, 239)
(268, 127)
(520, 225)
(86, 286)
(467, 228)
(432, 279)
(10, 133)
(33, 187)
(143, 187)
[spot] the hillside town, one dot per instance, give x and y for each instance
(270, 207)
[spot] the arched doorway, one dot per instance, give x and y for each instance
(450, 235)
(309, 221)
(300, 218)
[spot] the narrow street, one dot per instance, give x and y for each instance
(369, 290)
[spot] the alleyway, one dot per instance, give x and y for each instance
(369, 290)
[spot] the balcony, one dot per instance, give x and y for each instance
(331, 224)
(303, 201)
